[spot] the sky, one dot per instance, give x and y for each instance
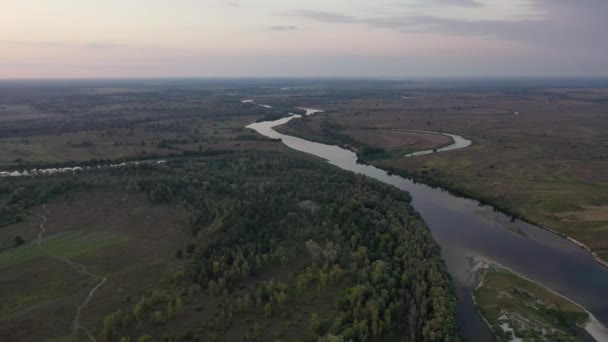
(303, 38)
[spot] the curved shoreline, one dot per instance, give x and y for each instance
(593, 327)
(458, 143)
(458, 192)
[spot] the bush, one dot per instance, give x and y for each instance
(19, 241)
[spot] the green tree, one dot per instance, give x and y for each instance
(179, 305)
(315, 323)
(144, 338)
(19, 241)
(170, 311)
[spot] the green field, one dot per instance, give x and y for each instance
(63, 245)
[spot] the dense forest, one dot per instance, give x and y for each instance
(284, 247)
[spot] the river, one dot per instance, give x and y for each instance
(469, 233)
(53, 170)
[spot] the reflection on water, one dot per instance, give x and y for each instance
(466, 230)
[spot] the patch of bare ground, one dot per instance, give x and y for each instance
(592, 172)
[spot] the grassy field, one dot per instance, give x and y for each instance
(119, 236)
(64, 245)
(539, 154)
(195, 135)
(518, 309)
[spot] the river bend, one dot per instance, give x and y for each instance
(469, 232)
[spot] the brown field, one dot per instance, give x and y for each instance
(391, 139)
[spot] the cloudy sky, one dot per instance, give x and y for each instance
(353, 38)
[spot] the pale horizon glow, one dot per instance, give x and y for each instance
(303, 38)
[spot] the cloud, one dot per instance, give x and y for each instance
(452, 3)
(560, 24)
(232, 4)
(325, 17)
(98, 45)
(65, 44)
(461, 3)
(283, 28)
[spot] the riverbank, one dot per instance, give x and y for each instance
(517, 308)
(47, 169)
(459, 191)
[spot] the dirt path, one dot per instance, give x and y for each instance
(80, 268)
(44, 219)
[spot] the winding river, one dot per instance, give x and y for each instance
(469, 233)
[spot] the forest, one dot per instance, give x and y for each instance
(284, 247)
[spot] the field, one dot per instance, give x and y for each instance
(518, 309)
(74, 125)
(538, 153)
(119, 236)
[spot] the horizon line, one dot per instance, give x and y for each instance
(377, 78)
